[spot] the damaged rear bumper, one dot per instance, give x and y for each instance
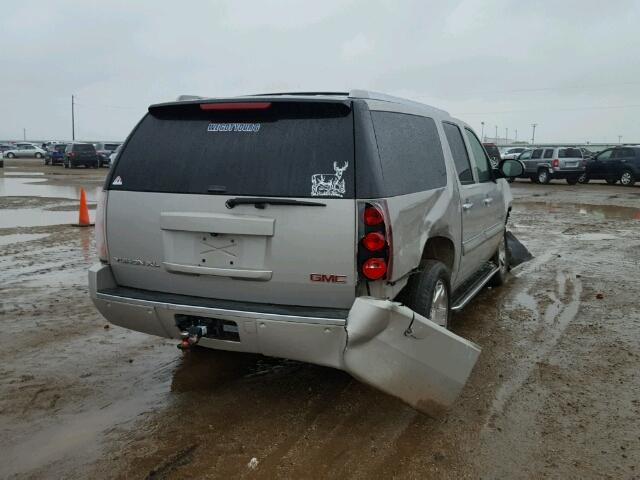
(379, 342)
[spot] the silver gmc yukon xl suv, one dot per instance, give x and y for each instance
(340, 229)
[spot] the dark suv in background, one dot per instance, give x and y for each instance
(76, 154)
(613, 165)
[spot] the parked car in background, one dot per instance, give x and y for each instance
(512, 153)
(494, 153)
(104, 151)
(614, 164)
(5, 146)
(25, 150)
(55, 154)
(195, 203)
(545, 164)
(76, 154)
(113, 156)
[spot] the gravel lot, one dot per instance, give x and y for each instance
(556, 391)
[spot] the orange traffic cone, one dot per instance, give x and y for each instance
(83, 217)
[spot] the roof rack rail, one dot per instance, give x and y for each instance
(184, 98)
(328, 94)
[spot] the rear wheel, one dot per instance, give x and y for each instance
(543, 176)
(11, 155)
(627, 178)
(428, 292)
(46, 161)
(611, 181)
(38, 155)
(572, 180)
(583, 178)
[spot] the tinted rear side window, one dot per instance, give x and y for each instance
(84, 148)
(569, 153)
(410, 152)
(292, 149)
(459, 152)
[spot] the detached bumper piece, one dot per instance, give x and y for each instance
(406, 355)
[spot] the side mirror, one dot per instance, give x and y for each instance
(511, 168)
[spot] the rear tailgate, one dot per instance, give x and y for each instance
(570, 158)
(170, 228)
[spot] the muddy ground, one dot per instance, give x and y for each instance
(556, 392)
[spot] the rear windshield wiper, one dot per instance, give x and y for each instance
(262, 202)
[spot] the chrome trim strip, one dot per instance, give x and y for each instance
(221, 311)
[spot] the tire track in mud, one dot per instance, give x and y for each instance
(551, 325)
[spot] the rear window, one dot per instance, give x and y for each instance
(569, 153)
(59, 148)
(410, 152)
(84, 148)
(291, 149)
(111, 146)
(493, 151)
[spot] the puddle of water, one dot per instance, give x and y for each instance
(23, 174)
(35, 217)
(20, 237)
(31, 187)
(593, 236)
(599, 211)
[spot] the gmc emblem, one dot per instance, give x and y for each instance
(323, 277)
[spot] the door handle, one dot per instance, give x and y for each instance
(488, 200)
(467, 205)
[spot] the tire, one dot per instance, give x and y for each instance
(46, 161)
(511, 179)
(572, 180)
(431, 283)
(628, 179)
(543, 176)
(500, 258)
(11, 155)
(38, 155)
(611, 181)
(64, 164)
(583, 178)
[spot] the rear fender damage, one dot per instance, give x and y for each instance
(404, 354)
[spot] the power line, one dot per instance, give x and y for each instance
(569, 109)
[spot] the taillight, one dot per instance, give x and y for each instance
(374, 246)
(374, 268)
(72, 154)
(235, 106)
(100, 229)
(555, 163)
(373, 216)
(374, 241)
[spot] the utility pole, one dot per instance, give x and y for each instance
(496, 139)
(619, 139)
(24, 134)
(516, 136)
(506, 135)
(533, 135)
(73, 119)
(482, 135)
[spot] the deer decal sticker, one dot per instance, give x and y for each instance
(329, 184)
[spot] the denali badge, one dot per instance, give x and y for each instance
(136, 261)
(327, 278)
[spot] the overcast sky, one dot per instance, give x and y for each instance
(570, 66)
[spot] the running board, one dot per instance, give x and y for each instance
(471, 289)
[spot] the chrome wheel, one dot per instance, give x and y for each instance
(543, 176)
(625, 178)
(440, 304)
(582, 178)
